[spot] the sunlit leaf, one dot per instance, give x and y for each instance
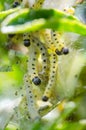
(3, 14)
(26, 20)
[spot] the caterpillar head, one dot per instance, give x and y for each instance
(45, 98)
(59, 48)
(65, 50)
(27, 42)
(36, 80)
(58, 52)
(15, 4)
(26, 39)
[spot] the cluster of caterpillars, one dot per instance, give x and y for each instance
(44, 48)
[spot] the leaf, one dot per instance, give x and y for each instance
(3, 14)
(25, 20)
(11, 127)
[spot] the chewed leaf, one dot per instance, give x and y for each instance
(25, 20)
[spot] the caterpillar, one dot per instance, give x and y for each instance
(32, 65)
(46, 36)
(52, 75)
(60, 48)
(44, 54)
(36, 5)
(33, 112)
(53, 43)
(46, 46)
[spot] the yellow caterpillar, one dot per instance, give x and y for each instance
(44, 54)
(52, 76)
(36, 5)
(32, 65)
(60, 47)
(32, 109)
(52, 40)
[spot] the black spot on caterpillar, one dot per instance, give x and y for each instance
(52, 76)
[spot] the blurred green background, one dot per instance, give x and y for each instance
(71, 84)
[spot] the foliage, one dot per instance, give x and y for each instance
(70, 105)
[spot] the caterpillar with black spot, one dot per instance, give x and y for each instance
(60, 47)
(52, 76)
(32, 65)
(32, 108)
(52, 40)
(46, 37)
(36, 5)
(44, 55)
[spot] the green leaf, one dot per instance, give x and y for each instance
(3, 14)
(25, 20)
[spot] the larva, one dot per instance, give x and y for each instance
(52, 76)
(30, 99)
(32, 64)
(38, 4)
(60, 47)
(45, 47)
(44, 55)
(46, 36)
